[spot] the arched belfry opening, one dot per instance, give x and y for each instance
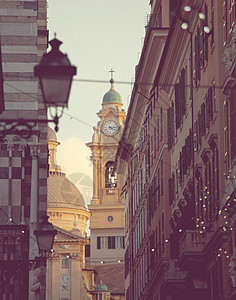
(110, 175)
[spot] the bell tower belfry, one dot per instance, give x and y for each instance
(107, 204)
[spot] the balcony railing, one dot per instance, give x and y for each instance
(174, 272)
(154, 20)
(191, 241)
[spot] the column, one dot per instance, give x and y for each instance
(75, 280)
(95, 199)
(33, 247)
(34, 283)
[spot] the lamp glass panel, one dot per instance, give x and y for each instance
(45, 242)
(56, 90)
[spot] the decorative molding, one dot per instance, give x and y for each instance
(34, 151)
(230, 53)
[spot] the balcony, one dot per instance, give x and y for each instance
(154, 20)
(191, 246)
(174, 281)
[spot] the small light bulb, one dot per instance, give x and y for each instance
(201, 15)
(102, 262)
(187, 8)
(184, 25)
(206, 29)
(118, 261)
(153, 249)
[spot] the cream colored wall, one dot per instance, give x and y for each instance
(75, 252)
(64, 218)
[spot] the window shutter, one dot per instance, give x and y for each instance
(225, 21)
(203, 125)
(207, 111)
(169, 127)
(199, 129)
(184, 159)
(233, 12)
(170, 192)
(201, 44)
(210, 97)
(212, 22)
(205, 34)
(172, 125)
(198, 55)
(187, 147)
(180, 167)
(233, 122)
(195, 62)
(182, 92)
(177, 105)
(195, 135)
(98, 242)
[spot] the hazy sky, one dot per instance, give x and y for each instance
(97, 35)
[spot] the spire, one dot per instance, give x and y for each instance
(112, 80)
(112, 96)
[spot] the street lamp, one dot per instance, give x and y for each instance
(45, 234)
(55, 74)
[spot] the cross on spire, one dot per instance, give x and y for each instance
(112, 71)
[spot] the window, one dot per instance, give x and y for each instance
(110, 242)
(196, 58)
(180, 98)
(110, 175)
(212, 22)
(65, 263)
(229, 17)
(205, 34)
(172, 189)
(214, 279)
(170, 126)
(161, 123)
(98, 242)
(162, 177)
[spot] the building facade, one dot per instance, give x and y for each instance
(107, 205)
(177, 156)
(66, 274)
(23, 158)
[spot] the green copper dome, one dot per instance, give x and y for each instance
(112, 96)
(101, 287)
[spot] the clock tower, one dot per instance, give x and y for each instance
(107, 205)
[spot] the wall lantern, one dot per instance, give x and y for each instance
(55, 74)
(45, 234)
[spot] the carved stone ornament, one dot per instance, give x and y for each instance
(35, 285)
(230, 52)
(34, 151)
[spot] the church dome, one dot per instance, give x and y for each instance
(51, 135)
(63, 193)
(101, 287)
(112, 96)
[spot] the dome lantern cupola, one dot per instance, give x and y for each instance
(112, 96)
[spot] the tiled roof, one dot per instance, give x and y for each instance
(63, 193)
(113, 276)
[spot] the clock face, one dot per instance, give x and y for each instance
(110, 127)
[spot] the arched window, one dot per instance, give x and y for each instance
(110, 175)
